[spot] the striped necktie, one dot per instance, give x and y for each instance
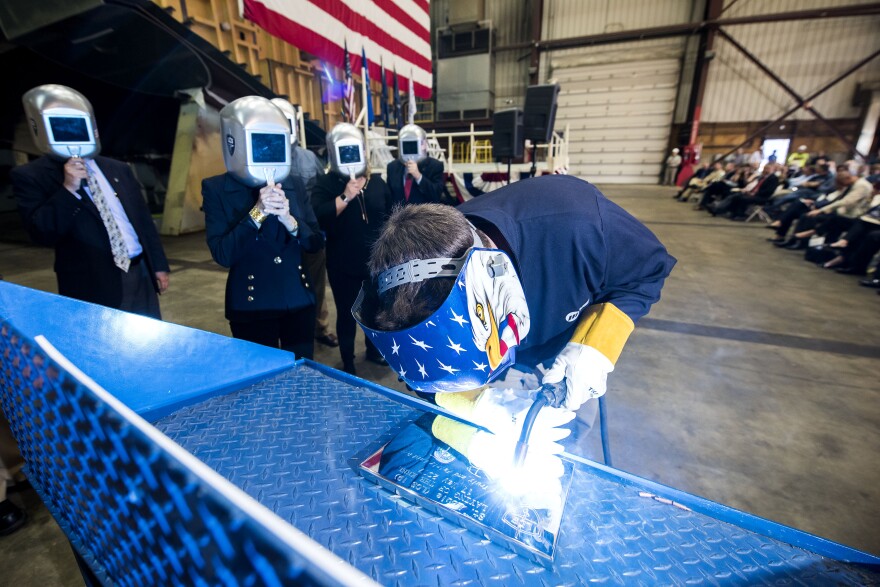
(117, 243)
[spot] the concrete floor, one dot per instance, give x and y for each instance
(753, 382)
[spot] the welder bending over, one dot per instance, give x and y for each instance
(545, 272)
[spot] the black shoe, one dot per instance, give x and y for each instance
(798, 245)
(777, 240)
(349, 368)
(850, 271)
(378, 359)
(329, 340)
(870, 282)
(11, 517)
(784, 244)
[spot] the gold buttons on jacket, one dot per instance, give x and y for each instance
(277, 260)
(250, 298)
(250, 288)
(250, 277)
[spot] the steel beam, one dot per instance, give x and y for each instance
(800, 100)
(535, 56)
(701, 71)
(690, 28)
(806, 101)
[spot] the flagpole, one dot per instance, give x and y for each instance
(365, 95)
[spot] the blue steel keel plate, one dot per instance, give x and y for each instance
(294, 442)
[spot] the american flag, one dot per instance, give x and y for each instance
(394, 31)
(348, 88)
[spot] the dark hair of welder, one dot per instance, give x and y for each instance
(423, 231)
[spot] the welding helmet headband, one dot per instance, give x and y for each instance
(470, 339)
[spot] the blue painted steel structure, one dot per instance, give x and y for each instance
(292, 439)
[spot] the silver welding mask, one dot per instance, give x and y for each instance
(256, 141)
(345, 150)
(290, 113)
(62, 121)
(412, 144)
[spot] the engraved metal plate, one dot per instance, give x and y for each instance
(427, 471)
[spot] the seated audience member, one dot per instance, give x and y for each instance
(819, 157)
(737, 204)
(809, 187)
(850, 201)
(698, 184)
(861, 242)
(734, 179)
(756, 158)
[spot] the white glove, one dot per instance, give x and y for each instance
(584, 369)
(539, 475)
(503, 410)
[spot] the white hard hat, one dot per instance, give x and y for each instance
(675, 150)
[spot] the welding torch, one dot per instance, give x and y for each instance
(550, 394)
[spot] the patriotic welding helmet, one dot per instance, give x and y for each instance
(470, 339)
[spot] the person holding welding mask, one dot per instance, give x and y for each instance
(546, 274)
(258, 223)
(351, 207)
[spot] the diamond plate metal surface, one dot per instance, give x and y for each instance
(137, 514)
(294, 442)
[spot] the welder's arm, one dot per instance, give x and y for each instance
(590, 356)
(502, 411)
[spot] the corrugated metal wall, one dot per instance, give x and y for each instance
(512, 24)
(618, 100)
(806, 54)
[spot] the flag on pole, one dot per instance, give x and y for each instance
(411, 115)
(385, 121)
(366, 73)
(348, 89)
(398, 119)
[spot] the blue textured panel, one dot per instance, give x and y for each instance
(294, 443)
(151, 366)
(138, 512)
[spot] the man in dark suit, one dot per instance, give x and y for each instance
(90, 208)
(757, 194)
(414, 177)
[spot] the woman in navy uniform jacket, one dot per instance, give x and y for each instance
(268, 292)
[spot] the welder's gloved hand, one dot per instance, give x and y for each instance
(586, 361)
(540, 473)
(585, 371)
(503, 410)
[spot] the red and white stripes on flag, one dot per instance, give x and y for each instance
(396, 31)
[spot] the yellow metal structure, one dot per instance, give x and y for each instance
(282, 67)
